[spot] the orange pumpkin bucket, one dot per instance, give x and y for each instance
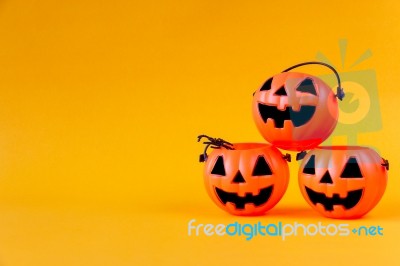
(296, 111)
(343, 182)
(244, 178)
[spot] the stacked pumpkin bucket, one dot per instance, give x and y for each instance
(294, 112)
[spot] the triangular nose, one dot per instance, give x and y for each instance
(326, 178)
(238, 178)
(281, 91)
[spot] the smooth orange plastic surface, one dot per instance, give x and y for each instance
(249, 180)
(293, 115)
(342, 181)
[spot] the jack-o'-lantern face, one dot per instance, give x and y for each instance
(342, 181)
(295, 111)
(248, 180)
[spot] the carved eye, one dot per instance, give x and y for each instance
(267, 85)
(261, 167)
(351, 170)
(307, 86)
(219, 168)
(309, 168)
(281, 91)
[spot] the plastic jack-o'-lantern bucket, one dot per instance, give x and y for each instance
(296, 111)
(244, 178)
(343, 181)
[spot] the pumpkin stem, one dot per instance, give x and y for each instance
(385, 163)
(339, 91)
(215, 143)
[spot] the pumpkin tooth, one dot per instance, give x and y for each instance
(270, 124)
(343, 194)
(339, 210)
(320, 207)
(256, 192)
(329, 193)
(250, 207)
(296, 107)
(230, 206)
(287, 124)
(281, 105)
(241, 193)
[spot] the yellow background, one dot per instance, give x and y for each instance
(101, 103)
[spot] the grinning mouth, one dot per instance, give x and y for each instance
(298, 118)
(353, 197)
(240, 202)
